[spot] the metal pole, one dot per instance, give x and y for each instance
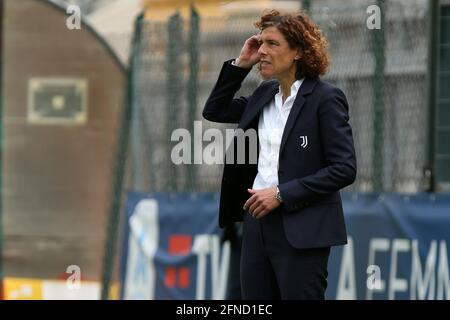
(2, 293)
(430, 169)
(379, 46)
(114, 214)
(174, 86)
(306, 5)
(136, 128)
(193, 86)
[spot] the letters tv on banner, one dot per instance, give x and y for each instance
(173, 248)
(397, 248)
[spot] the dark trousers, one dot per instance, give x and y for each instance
(234, 273)
(272, 269)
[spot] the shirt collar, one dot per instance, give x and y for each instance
(294, 88)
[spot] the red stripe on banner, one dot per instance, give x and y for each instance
(180, 244)
(183, 277)
(171, 274)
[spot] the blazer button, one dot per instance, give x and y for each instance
(280, 173)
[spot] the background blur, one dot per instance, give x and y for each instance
(92, 206)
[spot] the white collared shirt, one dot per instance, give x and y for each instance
(270, 131)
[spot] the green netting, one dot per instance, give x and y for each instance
(382, 72)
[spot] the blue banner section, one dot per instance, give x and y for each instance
(173, 248)
(397, 248)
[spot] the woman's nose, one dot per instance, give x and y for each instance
(262, 49)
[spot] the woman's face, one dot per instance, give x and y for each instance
(277, 58)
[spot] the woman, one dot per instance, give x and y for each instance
(289, 201)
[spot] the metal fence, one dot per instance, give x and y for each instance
(383, 73)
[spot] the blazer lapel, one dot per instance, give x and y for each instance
(258, 104)
(305, 89)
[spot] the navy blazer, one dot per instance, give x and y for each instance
(310, 175)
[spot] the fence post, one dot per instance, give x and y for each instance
(379, 47)
(114, 213)
(133, 78)
(173, 85)
(192, 87)
(306, 5)
(430, 170)
(2, 293)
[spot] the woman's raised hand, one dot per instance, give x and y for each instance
(249, 55)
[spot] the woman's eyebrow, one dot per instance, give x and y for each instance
(269, 39)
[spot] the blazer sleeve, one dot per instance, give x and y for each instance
(339, 151)
(221, 105)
